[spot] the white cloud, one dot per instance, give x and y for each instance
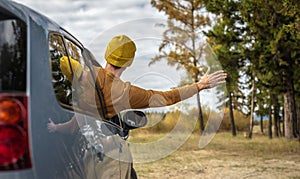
(86, 19)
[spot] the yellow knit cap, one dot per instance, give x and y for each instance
(66, 70)
(120, 51)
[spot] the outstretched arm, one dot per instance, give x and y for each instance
(141, 98)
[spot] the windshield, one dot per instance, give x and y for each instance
(12, 55)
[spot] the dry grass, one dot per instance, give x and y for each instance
(225, 157)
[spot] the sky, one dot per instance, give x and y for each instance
(95, 22)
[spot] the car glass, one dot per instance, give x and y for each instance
(13, 42)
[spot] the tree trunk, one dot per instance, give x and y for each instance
(289, 105)
(233, 129)
(251, 112)
(283, 124)
(262, 124)
(298, 118)
(288, 121)
(289, 114)
(279, 127)
(200, 116)
(276, 114)
(280, 123)
(270, 121)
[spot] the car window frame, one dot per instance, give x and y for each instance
(87, 61)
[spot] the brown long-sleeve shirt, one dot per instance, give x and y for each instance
(119, 95)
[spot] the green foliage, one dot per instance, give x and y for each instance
(273, 47)
(258, 40)
(254, 40)
(225, 38)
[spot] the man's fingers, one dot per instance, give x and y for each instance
(217, 77)
(221, 82)
(216, 73)
(216, 80)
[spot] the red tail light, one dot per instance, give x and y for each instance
(11, 110)
(14, 141)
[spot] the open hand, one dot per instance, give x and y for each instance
(212, 80)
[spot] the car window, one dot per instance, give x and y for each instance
(61, 85)
(12, 55)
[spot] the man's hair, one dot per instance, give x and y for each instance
(115, 67)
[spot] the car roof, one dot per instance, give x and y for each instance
(25, 13)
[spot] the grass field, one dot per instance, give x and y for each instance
(224, 157)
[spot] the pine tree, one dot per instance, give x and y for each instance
(275, 48)
(225, 38)
(183, 45)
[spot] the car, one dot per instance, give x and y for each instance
(33, 90)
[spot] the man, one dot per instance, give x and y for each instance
(119, 95)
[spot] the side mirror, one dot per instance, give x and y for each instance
(134, 119)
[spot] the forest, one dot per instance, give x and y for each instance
(256, 42)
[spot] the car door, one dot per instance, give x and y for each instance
(72, 146)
